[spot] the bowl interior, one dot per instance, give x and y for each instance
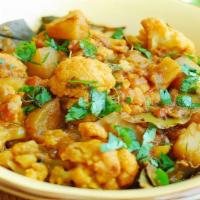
(110, 12)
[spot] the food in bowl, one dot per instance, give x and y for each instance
(89, 106)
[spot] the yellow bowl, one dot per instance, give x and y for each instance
(111, 12)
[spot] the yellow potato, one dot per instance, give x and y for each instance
(162, 75)
(72, 27)
(43, 62)
(42, 119)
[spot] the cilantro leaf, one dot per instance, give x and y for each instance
(166, 162)
(186, 101)
(189, 71)
(98, 101)
(115, 67)
(147, 145)
(189, 84)
(128, 100)
(129, 137)
(77, 111)
(165, 97)
(110, 106)
(161, 177)
(118, 34)
(144, 51)
(52, 43)
(113, 143)
(35, 96)
(89, 49)
(25, 51)
(84, 82)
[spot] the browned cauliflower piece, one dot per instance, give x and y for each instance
(92, 130)
(74, 26)
(187, 146)
(10, 132)
(24, 158)
(10, 66)
(10, 108)
(107, 170)
(80, 68)
(160, 37)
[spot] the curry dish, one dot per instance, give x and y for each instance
(89, 106)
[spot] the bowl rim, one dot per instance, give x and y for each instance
(35, 187)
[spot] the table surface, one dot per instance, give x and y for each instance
(4, 196)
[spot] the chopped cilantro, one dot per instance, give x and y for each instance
(129, 137)
(118, 34)
(98, 101)
(114, 143)
(189, 84)
(165, 97)
(189, 71)
(161, 177)
(28, 109)
(84, 82)
(77, 111)
(128, 100)
(2, 60)
(186, 101)
(198, 60)
(89, 49)
(148, 138)
(110, 106)
(36, 96)
(25, 51)
(166, 163)
(144, 51)
(52, 43)
(115, 67)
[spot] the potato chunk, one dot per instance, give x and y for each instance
(72, 27)
(10, 66)
(42, 119)
(160, 37)
(80, 68)
(165, 72)
(43, 63)
(187, 146)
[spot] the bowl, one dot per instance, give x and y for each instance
(116, 13)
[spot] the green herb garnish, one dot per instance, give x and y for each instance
(84, 82)
(128, 136)
(35, 96)
(98, 101)
(25, 51)
(89, 49)
(189, 71)
(189, 84)
(161, 177)
(186, 101)
(166, 163)
(52, 43)
(144, 51)
(165, 97)
(128, 100)
(113, 143)
(147, 144)
(118, 34)
(115, 67)
(77, 111)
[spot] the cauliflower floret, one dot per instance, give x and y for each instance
(160, 37)
(109, 170)
(92, 130)
(187, 146)
(24, 158)
(11, 67)
(10, 132)
(80, 68)
(10, 108)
